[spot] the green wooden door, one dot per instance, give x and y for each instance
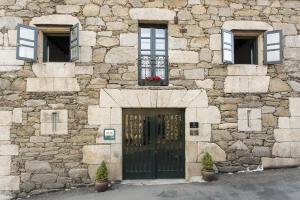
(153, 143)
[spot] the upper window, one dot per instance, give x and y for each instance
(252, 47)
(56, 47)
(153, 53)
(245, 49)
(48, 43)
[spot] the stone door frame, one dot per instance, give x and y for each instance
(108, 114)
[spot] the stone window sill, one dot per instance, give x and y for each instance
(247, 70)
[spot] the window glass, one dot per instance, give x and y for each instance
(74, 34)
(161, 33)
(273, 55)
(160, 44)
(160, 53)
(273, 38)
(227, 38)
(145, 52)
(146, 72)
(145, 32)
(74, 50)
(27, 33)
(160, 73)
(145, 44)
(26, 52)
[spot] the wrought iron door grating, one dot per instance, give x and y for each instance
(153, 143)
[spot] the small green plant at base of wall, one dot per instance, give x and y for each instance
(101, 173)
(207, 162)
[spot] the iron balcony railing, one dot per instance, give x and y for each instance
(150, 66)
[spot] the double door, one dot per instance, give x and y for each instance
(153, 143)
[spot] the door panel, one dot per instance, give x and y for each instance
(153, 143)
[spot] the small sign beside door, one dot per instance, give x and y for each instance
(194, 124)
(194, 128)
(109, 134)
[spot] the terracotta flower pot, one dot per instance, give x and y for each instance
(101, 186)
(209, 175)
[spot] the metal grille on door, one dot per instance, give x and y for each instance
(153, 143)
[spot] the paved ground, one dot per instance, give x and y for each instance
(267, 185)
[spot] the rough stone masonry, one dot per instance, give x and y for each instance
(87, 95)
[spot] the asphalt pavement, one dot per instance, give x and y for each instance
(279, 184)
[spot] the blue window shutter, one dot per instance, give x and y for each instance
(273, 49)
(27, 38)
(74, 42)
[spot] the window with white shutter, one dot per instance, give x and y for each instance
(48, 43)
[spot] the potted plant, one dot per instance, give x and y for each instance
(208, 173)
(101, 183)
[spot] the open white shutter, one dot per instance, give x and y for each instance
(74, 42)
(273, 47)
(227, 46)
(26, 42)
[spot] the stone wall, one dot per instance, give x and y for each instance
(9, 176)
(108, 35)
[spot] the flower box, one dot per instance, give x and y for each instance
(152, 82)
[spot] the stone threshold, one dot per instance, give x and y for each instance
(142, 182)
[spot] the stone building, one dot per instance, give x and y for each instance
(147, 86)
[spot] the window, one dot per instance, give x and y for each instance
(48, 43)
(56, 47)
(252, 47)
(153, 52)
(245, 49)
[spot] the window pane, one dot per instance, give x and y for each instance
(160, 33)
(160, 44)
(273, 38)
(74, 52)
(74, 34)
(145, 52)
(74, 43)
(145, 44)
(27, 33)
(160, 53)
(145, 72)
(145, 32)
(227, 38)
(227, 55)
(160, 62)
(160, 73)
(145, 61)
(26, 52)
(273, 56)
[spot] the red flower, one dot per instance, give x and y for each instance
(153, 78)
